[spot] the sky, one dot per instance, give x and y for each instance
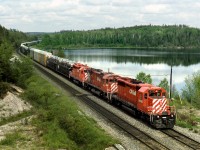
(57, 15)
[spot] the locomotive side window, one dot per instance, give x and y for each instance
(140, 96)
(145, 95)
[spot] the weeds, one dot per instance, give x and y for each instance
(186, 115)
(60, 120)
(11, 139)
(16, 117)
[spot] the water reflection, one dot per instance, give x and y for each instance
(129, 62)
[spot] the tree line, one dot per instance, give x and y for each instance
(144, 36)
(15, 71)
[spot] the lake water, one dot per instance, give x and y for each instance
(128, 62)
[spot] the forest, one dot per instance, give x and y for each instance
(11, 72)
(143, 36)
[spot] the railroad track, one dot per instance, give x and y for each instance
(131, 130)
(183, 139)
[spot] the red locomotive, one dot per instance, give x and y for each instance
(79, 73)
(146, 100)
(102, 83)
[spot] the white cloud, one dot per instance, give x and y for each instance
(156, 8)
(26, 19)
(55, 15)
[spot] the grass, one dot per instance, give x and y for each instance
(60, 121)
(186, 116)
(16, 117)
(12, 138)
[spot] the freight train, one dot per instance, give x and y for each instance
(145, 100)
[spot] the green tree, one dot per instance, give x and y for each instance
(191, 91)
(61, 53)
(46, 40)
(175, 92)
(164, 84)
(5, 67)
(12, 72)
(144, 77)
(21, 70)
(137, 36)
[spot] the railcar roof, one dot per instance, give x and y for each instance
(41, 52)
(26, 47)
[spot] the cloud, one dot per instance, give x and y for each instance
(156, 8)
(55, 15)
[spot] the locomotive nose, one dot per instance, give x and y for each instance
(159, 105)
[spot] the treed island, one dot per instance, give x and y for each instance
(57, 122)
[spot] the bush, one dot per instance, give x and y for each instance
(191, 91)
(146, 78)
(60, 121)
(56, 137)
(4, 88)
(21, 70)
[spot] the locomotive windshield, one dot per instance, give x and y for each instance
(155, 93)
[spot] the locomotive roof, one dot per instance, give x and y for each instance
(145, 87)
(110, 76)
(135, 82)
(129, 80)
(80, 65)
(97, 70)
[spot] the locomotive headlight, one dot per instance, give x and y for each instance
(158, 116)
(172, 115)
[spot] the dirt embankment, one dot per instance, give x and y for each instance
(12, 105)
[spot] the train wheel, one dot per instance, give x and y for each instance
(119, 104)
(109, 101)
(138, 114)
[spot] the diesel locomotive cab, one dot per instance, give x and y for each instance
(162, 115)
